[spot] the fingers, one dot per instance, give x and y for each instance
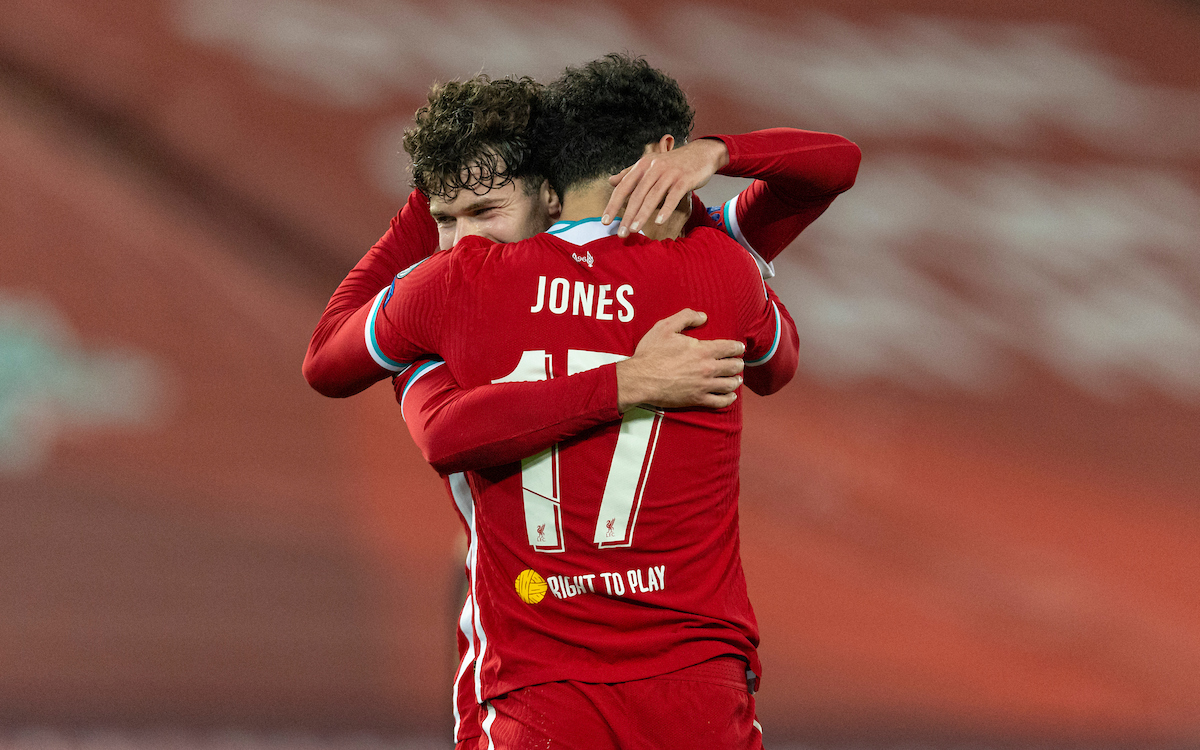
(717, 400)
(643, 200)
(649, 185)
(726, 385)
(722, 348)
(615, 179)
(674, 197)
(728, 367)
(681, 321)
(659, 182)
(627, 179)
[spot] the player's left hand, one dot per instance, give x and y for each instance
(672, 370)
(659, 181)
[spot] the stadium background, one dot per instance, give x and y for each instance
(972, 520)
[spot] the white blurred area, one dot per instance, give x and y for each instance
(1090, 271)
(937, 271)
(51, 386)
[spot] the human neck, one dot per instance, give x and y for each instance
(586, 200)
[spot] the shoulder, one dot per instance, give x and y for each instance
(711, 237)
(711, 245)
(471, 245)
(473, 256)
(474, 246)
(469, 252)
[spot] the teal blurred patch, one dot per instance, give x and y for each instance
(50, 386)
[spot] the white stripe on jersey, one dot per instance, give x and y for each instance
(774, 344)
(758, 726)
(487, 725)
(461, 492)
(421, 372)
(373, 349)
(729, 214)
(466, 623)
(466, 505)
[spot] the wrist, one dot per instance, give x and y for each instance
(629, 393)
(718, 151)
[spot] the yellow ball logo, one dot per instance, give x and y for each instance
(531, 587)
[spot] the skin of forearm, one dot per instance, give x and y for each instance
(632, 384)
(716, 148)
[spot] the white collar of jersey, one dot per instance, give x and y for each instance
(583, 231)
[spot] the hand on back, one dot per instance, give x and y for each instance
(670, 369)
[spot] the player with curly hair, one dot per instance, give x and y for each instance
(474, 135)
(803, 177)
(605, 112)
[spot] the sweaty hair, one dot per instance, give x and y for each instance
(474, 135)
(598, 118)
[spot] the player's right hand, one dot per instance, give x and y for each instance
(656, 184)
(672, 370)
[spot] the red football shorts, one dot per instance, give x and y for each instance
(704, 706)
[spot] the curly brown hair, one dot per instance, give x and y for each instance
(474, 135)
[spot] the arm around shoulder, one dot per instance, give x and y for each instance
(337, 362)
(460, 429)
(800, 164)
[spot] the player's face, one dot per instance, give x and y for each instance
(504, 214)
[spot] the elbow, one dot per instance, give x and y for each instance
(318, 378)
(774, 375)
(437, 457)
(450, 456)
(446, 466)
(772, 381)
(439, 451)
(852, 160)
(445, 462)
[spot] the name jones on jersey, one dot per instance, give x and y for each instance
(584, 299)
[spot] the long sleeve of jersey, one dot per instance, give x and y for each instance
(768, 373)
(459, 429)
(404, 323)
(798, 173)
(772, 344)
(338, 362)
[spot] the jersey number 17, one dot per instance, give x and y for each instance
(627, 473)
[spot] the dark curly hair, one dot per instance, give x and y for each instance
(475, 135)
(598, 118)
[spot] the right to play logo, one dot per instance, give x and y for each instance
(531, 587)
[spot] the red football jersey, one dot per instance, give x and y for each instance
(800, 173)
(612, 555)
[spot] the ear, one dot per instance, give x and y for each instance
(661, 146)
(549, 198)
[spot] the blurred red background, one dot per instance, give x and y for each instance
(974, 516)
